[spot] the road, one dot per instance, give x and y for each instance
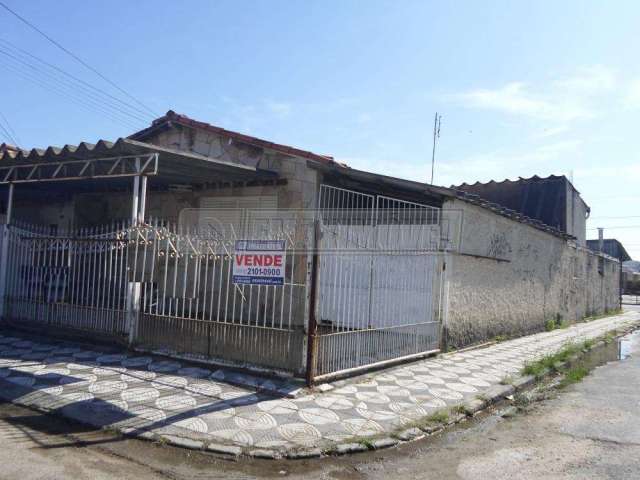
(589, 430)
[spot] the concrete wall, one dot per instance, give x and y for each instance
(510, 278)
(576, 215)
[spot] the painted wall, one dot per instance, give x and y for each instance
(509, 278)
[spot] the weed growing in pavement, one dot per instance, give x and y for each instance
(461, 409)
(366, 442)
(508, 380)
(482, 397)
(441, 416)
(572, 376)
(608, 313)
(550, 324)
(550, 362)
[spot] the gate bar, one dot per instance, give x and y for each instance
(9, 212)
(4, 251)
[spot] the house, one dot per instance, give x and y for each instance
(140, 240)
(611, 247)
(553, 200)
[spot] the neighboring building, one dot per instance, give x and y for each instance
(552, 200)
(611, 247)
(377, 268)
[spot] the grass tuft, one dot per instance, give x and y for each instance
(550, 363)
(574, 375)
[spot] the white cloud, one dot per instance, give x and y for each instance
(517, 98)
(559, 102)
(497, 165)
(588, 80)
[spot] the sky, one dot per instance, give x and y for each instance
(524, 88)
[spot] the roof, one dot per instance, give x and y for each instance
(433, 190)
(532, 179)
(611, 247)
(6, 147)
(173, 118)
(173, 164)
(509, 213)
(541, 198)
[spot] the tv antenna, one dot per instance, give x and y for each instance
(437, 122)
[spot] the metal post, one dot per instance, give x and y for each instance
(312, 334)
(133, 287)
(133, 309)
(4, 251)
(9, 204)
(136, 198)
(143, 199)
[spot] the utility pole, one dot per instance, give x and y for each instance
(436, 134)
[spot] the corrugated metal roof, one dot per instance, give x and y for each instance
(532, 179)
(172, 162)
(509, 213)
(611, 247)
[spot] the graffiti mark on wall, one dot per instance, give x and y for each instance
(499, 246)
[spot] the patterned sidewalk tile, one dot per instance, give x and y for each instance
(126, 390)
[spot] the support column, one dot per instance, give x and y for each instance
(143, 199)
(4, 251)
(135, 198)
(134, 288)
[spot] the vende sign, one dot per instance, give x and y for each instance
(259, 262)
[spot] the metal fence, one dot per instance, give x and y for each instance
(630, 299)
(378, 281)
(191, 305)
(374, 295)
(72, 279)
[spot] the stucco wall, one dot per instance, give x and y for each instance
(529, 278)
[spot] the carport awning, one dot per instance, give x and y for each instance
(124, 158)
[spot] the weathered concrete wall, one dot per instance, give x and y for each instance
(60, 213)
(510, 278)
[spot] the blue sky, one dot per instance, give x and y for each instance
(524, 88)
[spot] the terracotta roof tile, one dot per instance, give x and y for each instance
(173, 117)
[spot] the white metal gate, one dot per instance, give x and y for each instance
(379, 279)
(72, 279)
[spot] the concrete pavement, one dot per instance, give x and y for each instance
(196, 408)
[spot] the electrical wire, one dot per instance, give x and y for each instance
(9, 131)
(89, 105)
(76, 57)
(82, 83)
(75, 87)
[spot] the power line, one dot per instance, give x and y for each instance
(83, 83)
(616, 227)
(91, 106)
(76, 88)
(9, 131)
(6, 133)
(77, 58)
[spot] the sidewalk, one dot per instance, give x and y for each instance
(196, 408)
